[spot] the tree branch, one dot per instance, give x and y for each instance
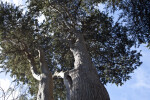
(43, 63)
(33, 67)
(34, 74)
(59, 74)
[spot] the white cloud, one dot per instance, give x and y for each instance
(138, 87)
(142, 75)
(142, 79)
(5, 83)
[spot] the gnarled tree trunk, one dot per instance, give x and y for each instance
(82, 82)
(45, 90)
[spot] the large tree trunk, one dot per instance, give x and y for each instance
(45, 91)
(82, 82)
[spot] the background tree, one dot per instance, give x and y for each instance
(22, 53)
(14, 92)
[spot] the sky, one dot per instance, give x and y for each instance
(137, 88)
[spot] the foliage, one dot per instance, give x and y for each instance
(108, 43)
(135, 15)
(20, 33)
(138, 20)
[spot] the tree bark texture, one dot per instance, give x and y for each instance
(82, 83)
(45, 90)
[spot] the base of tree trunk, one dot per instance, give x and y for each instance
(83, 85)
(45, 91)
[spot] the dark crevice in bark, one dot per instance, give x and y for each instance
(84, 87)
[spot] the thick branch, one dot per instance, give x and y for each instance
(33, 67)
(43, 63)
(59, 74)
(34, 70)
(34, 74)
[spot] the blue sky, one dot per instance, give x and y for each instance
(137, 88)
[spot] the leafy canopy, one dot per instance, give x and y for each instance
(108, 43)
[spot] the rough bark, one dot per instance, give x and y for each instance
(82, 83)
(45, 90)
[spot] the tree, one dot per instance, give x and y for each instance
(73, 32)
(135, 15)
(138, 18)
(21, 31)
(14, 92)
